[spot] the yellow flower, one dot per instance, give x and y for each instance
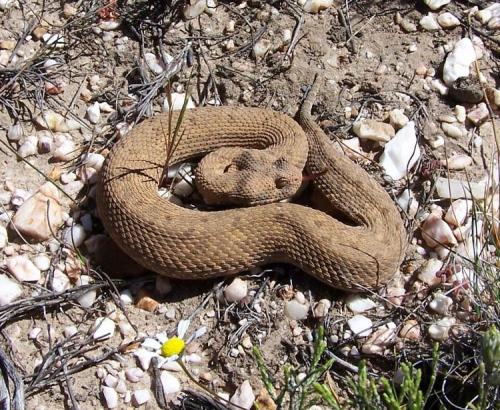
(172, 347)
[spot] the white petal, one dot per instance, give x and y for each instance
(151, 344)
(199, 332)
(182, 328)
(162, 337)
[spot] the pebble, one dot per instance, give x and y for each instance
(177, 102)
(45, 144)
(19, 197)
(6, 4)
(94, 113)
(32, 218)
(9, 290)
(4, 238)
(15, 132)
(439, 331)
(322, 307)
(439, 86)
(373, 130)
(110, 397)
(236, 290)
(261, 48)
(435, 232)
(360, 325)
(104, 328)
(41, 261)
(383, 337)
(64, 151)
(395, 295)
(428, 271)
(153, 63)
(407, 26)
(171, 384)
(401, 153)
(448, 20)
(436, 4)
(429, 22)
(457, 63)
(359, 304)
(134, 374)
(126, 297)
(398, 119)
(28, 147)
(144, 356)
(139, 397)
(451, 130)
(70, 330)
(94, 160)
(315, 6)
(110, 380)
(457, 162)
(295, 310)
(454, 189)
(74, 236)
(479, 115)
(23, 269)
(460, 113)
(194, 9)
(440, 303)
(410, 331)
(243, 397)
(88, 298)
(50, 120)
(458, 211)
(60, 281)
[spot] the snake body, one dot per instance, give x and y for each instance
(190, 244)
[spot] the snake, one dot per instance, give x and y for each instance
(354, 241)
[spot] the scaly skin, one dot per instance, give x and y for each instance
(187, 244)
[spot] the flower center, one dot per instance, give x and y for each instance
(172, 347)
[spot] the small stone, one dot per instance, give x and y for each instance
(315, 6)
(23, 269)
(110, 380)
(401, 153)
(94, 113)
(479, 115)
(104, 328)
(9, 290)
(440, 303)
(429, 22)
(460, 113)
(194, 9)
(243, 397)
(395, 295)
(398, 119)
(452, 130)
(139, 397)
(466, 90)
(134, 374)
(321, 308)
(439, 86)
(408, 26)
(448, 20)
(70, 330)
(458, 211)
(439, 331)
(171, 384)
(428, 272)
(236, 291)
(373, 130)
(126, 297)
(457, 162)
(34, 219)
(146, 302)
(457, 63)
(74, 236)
(454, 189)
(28, 147)
(261, 48)
(60, 281)
(436, 4)
(410, 331)
(177, 100)
(88, 298)
(295, 310)
(4, 238)
(110, 397)
(383, 337)
(94, 160)
(360, 325)
(435, 232)
(358, 304)
(144, 356)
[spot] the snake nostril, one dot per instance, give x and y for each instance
(280, 182)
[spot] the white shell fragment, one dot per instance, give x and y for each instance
(439, 331)
(9, 290)
(458, 61)
(360, 325)
(401, 153)
(440, 303)
(236, 290)
(104, 328)
(436, 4)
(23, 269)
(243, 397)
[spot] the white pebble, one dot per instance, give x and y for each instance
(359, 304)
(373, 130)
(70, 330)
(33, 333)
(440, 303)
(479, 115)
(126, 297)
(451, 130)
(177, 102)
(295, 310)
(171, 384)
(460, 113)
(360, 325)
(398, 119)
(6, 4)
(28, 147)
(435, 232)
(457, 63)
(74, 236)
(94, 160)
(41, 261)
(104, 328)
(19, 196)
(65, 151)
(15, 132)
(9, 290)
(236, 291)
(457, 162)
(134, 374)
(243, 397)
(439, 86)
(144, 356)
(439, 331)
(23, 269)
(4, 238)
(401, 153)
(429, 22)
(261, 47)
(110, 397)
(139, 397)
(315, 6)
(89, 297)
(56, 40)
(458, 211)
(194, 9)
(94, 113)
(429, 270)
(153, 63)
(454, 188)
(321, 308)
(436, 4)
(448, 20)
(60, 281)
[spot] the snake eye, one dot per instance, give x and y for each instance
(281, 182)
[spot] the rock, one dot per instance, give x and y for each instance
(440, 303)
(29, 146)
(457, 162)
(74, 236)
(452, 130)
(146, 302)
(493, 96)
(94, 113)
(126, 297)
(457, 63)
(4, 238)
(139, 397)
(410, 331)
(134, 374)
(153, 63)
(448, 20)
(34, 220)
(460, 113)
(6, 4)
(395, 295)
(360, 325)
(144, 356)
(466, 90)
(407, 26)
(429, 22)
(295, 310)
(479, 115)
(408, 203)
(439, 86)
(436, 4)
(458, 211)
(428, 272)
(373, 130)
(401, 153)
(398, 119)
(60, 281)
(454, 189)
(243, 397)
(236, 290)
(110, 397)
(359, 304)
(439, 331)
(177, 102)
(261, 48)
(315, 6)
(70, 330)
(104, 328)
(94, 160)
(435, 232)
(171, 384)
(88, 298)
(383, 337)
(41, 261)
(50, 120)
(9, 290)
(23, 269)
(321, 308)
(110, 380)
